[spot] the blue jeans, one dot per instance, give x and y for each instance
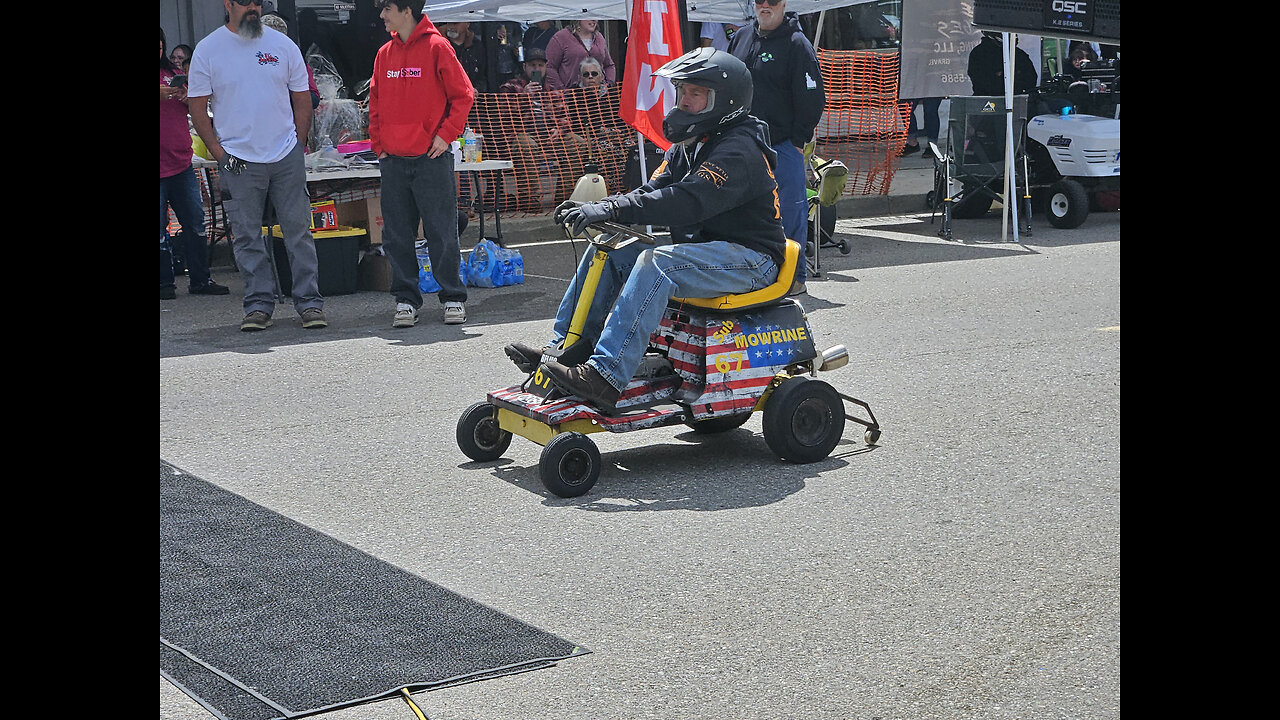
(792, 195)
(932, 123)
(286, 180)
(183, 194)
(636, 284)
(413, 189)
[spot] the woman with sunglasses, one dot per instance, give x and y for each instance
(569, 47)
(596, 125)
(181, 57)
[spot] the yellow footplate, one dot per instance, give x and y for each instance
(541, 432)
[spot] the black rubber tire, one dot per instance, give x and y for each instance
(973, 205)
(570, 465)
(1068, 204)
(724, 423)
(479, 436)
(803, 420)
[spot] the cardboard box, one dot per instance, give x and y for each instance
(375, 273)
(365, 214)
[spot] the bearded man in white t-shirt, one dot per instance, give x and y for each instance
(255, 79)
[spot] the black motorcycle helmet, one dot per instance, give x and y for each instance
(730, 98)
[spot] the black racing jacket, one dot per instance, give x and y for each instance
(986, 69)
(726, 191)
(788, 93)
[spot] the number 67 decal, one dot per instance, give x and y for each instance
(722, 361)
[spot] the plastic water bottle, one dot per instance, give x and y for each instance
(468, 146)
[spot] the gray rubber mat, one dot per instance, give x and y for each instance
(262, 617)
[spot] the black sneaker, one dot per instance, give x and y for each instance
(210, 288)
(167, 292)
(908, 149)
(525, 357)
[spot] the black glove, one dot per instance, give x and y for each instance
(588, 213)
(231, 164)
(558, 215)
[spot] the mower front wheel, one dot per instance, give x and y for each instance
(1068, 204)
(570, 464)
(479, 436)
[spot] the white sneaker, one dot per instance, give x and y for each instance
(455, 313)
(406, 316)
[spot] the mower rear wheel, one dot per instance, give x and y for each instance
(803, 420)
(570, 464)
(720, 424)
(479, 436)
(1068, 204)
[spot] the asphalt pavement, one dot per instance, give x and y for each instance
(966, 567)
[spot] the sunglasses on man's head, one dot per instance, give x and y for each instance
(247, 3)
(772, 3)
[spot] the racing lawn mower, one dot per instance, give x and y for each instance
(1068, 159)
(710, 364)
(1073, 147)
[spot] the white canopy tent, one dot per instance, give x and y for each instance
(527, 11)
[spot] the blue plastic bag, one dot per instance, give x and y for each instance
(490, 265)
(426, 281)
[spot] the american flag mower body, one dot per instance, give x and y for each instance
(711, 363)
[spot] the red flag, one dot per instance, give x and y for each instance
(654, 40)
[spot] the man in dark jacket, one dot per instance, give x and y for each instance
(715, 189)
(986, 67)
(789, 97)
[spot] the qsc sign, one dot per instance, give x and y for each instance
(1074, 15)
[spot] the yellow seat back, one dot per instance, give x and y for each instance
(776, 291)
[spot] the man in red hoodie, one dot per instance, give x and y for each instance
(419, 99)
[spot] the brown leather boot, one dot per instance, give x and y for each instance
(585, 382)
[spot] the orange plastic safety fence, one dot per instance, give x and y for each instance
(550, 137)
(865, 124)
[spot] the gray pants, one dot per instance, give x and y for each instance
(413, 189)
(287, 182)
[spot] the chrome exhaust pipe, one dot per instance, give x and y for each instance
(834, 357)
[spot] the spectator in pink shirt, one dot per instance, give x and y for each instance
(569, 47)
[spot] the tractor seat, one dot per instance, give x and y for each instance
(776, 291)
